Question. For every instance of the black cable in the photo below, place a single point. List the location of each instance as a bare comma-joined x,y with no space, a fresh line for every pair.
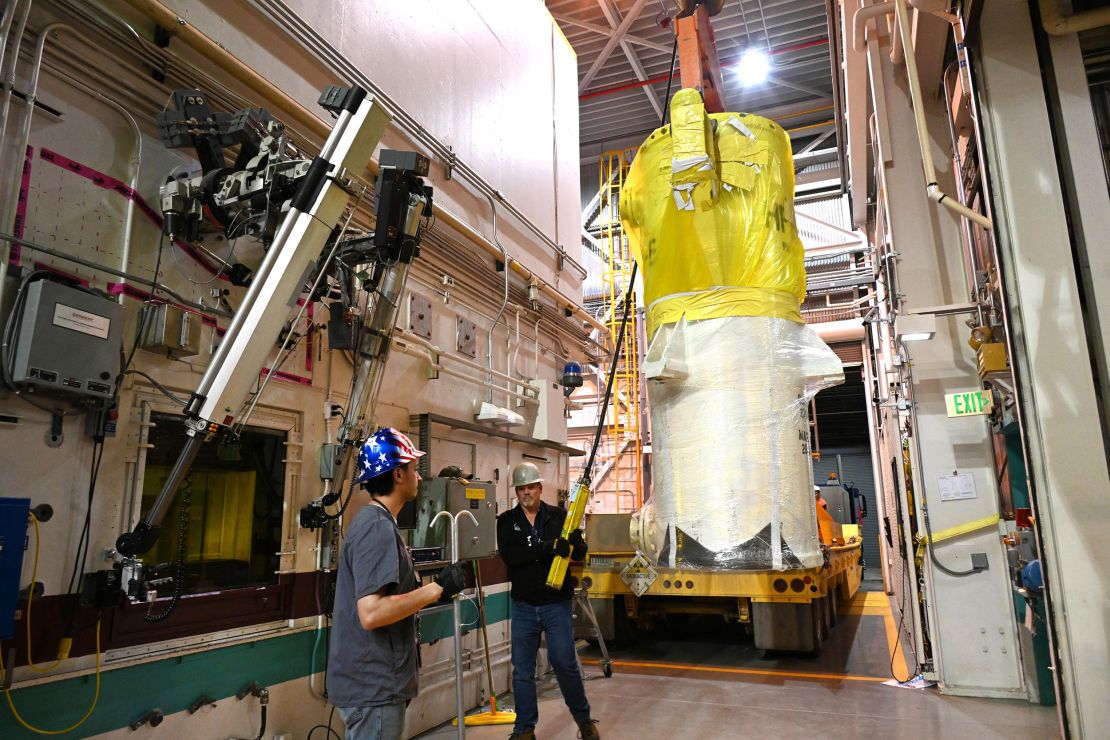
588,470
670,79
161,388
329,730
898,633
343,508
262,730
932,555
81,556
143,316
179,571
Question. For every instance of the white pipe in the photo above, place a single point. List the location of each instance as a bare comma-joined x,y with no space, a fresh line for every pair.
1057,24
536,350
402,345
408,336
137,157
312,126
8,75
860,19
848,330
932,188
8,68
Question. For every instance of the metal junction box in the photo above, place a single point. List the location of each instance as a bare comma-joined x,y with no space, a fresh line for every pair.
455,495
172,331
69,341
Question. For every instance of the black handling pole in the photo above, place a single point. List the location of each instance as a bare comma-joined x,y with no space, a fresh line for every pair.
588,471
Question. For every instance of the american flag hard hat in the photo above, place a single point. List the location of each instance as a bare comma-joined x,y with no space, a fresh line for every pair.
383,451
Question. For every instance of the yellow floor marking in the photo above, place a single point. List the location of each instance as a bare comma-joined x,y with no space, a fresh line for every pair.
741,671
865,612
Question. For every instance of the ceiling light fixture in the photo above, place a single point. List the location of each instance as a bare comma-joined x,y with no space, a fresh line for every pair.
753,67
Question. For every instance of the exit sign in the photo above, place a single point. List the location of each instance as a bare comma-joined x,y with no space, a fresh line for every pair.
968,403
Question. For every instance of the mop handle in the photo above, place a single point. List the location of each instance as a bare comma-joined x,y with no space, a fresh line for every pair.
485,635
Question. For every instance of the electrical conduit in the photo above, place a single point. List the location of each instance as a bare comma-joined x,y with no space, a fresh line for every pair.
293,112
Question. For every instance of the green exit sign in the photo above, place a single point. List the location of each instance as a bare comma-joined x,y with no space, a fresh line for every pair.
968,403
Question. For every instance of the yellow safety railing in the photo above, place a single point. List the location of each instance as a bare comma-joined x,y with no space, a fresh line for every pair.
623,439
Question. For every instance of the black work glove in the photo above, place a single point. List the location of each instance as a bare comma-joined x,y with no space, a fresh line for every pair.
578,547
557,547
452,579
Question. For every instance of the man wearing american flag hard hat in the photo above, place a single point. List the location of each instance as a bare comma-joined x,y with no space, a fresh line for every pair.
372,667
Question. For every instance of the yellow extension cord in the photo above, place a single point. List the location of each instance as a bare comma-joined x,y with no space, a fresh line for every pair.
30,598
7,689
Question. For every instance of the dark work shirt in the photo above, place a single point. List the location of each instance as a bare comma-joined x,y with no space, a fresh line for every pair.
520,545
379,666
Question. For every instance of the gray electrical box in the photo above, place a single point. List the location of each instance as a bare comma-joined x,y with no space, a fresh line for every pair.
171,331
68,341
454,495
840,507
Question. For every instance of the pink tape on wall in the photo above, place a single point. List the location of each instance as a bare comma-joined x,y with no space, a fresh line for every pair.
110,183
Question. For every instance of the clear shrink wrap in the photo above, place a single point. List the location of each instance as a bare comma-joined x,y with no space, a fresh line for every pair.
731,367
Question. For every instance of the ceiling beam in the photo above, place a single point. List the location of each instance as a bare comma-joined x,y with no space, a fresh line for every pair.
603,31
612,43
612,15
814,144
775,80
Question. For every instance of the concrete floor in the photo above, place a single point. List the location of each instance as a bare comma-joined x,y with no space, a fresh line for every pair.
701,679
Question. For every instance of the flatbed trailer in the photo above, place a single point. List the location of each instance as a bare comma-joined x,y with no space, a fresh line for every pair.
789,610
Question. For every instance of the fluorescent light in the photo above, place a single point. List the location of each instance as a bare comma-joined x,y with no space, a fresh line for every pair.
753,67
915,327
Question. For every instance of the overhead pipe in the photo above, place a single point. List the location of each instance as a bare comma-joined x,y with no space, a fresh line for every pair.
847,330
932,188
1057,24
25,136
153,283
416,346
860,19
7,69
292,111
504,302
7,72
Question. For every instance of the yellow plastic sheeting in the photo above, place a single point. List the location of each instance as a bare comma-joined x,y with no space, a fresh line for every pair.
723,302
221,515
708,207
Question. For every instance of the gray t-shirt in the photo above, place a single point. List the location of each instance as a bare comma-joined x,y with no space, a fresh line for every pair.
372,667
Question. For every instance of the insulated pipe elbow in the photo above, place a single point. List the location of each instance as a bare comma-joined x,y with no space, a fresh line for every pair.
939,197
1057,24
860,19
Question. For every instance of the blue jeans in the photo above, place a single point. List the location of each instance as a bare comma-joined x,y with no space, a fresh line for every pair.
528,623
383,722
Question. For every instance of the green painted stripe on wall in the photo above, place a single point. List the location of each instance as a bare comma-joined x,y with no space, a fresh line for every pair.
438,625
174,683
